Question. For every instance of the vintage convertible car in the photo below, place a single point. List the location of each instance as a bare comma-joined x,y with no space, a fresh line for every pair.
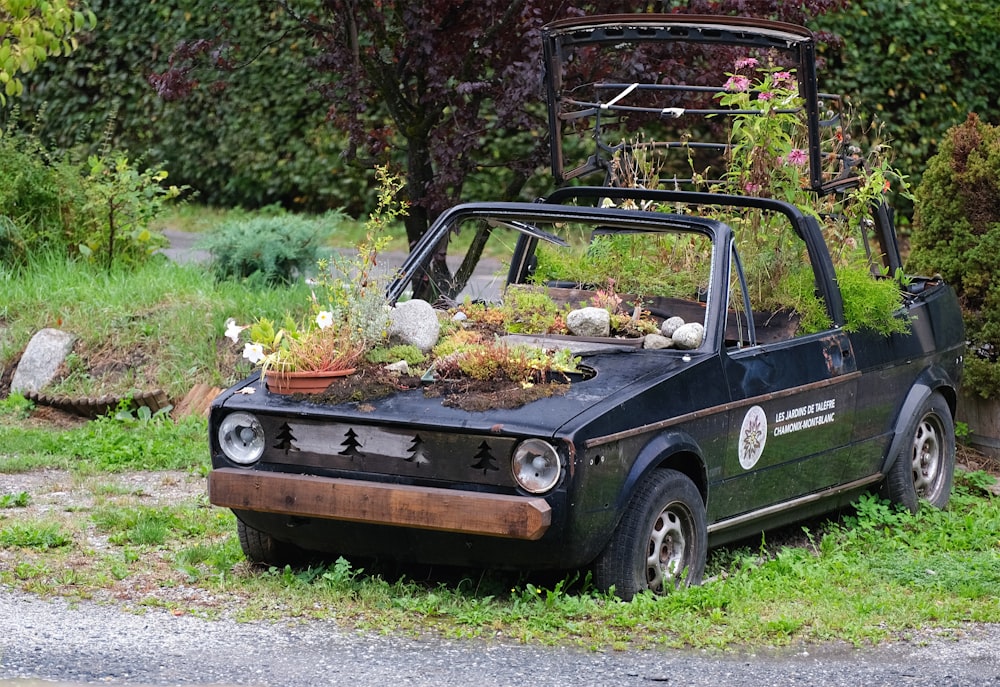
652,448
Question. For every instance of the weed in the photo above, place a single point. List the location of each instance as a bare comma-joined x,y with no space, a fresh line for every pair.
136,526
19,500
34,535
15,406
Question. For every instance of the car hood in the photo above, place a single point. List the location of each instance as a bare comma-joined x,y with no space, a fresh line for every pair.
620,374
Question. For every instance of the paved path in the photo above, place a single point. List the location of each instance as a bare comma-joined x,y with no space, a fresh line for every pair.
53,640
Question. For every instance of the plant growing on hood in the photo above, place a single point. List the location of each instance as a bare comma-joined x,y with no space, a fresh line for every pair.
350,313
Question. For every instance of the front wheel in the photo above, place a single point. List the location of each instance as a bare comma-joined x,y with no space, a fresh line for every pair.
661,541
263,549
925,467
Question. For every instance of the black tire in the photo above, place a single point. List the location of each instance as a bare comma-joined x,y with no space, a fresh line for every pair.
925,467
262,549
661,541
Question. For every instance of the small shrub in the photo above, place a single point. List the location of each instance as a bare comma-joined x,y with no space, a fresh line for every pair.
530,311
274,249
50,202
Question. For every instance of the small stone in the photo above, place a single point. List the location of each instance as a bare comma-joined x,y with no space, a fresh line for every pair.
670,325
657,341
400,367
589,322
459,317
689,336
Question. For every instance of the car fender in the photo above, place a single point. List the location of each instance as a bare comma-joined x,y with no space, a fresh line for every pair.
675,449
930,381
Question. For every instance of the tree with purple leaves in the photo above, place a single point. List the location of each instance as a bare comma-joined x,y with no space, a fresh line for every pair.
449,91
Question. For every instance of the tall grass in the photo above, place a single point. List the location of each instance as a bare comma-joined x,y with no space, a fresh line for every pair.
157,326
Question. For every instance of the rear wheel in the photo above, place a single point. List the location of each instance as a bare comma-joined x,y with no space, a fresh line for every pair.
661,541
925,466
261,548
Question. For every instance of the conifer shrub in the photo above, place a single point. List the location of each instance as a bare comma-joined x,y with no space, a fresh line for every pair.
276,248
957,235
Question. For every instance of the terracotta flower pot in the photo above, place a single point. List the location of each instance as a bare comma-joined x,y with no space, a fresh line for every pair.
302,382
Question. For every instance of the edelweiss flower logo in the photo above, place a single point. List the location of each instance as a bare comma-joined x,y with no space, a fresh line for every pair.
753,436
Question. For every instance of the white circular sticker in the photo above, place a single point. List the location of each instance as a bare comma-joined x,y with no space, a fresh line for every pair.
753,436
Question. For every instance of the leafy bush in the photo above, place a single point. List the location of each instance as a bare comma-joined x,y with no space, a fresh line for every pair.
957,235
100,209
273,248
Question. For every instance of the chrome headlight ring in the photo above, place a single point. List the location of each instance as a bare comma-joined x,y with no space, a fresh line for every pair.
241,438
536,466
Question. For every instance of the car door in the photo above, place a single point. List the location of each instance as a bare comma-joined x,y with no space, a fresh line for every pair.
791,411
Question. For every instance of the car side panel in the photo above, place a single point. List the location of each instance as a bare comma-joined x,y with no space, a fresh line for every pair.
891,366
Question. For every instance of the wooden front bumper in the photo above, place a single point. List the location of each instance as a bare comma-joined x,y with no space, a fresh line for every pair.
431,508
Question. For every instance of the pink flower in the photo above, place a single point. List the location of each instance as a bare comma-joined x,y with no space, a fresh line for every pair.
737,84
751,188
782,78
797,157
765,95
746,62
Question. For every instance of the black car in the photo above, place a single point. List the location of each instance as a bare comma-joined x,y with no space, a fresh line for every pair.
655,446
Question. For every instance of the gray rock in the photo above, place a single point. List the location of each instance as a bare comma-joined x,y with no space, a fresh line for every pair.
41,360
670,325
589,322
657,341
400,367
414,323
689,336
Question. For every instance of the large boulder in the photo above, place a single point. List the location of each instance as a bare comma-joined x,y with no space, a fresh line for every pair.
689,336
414,323
589,322
40,361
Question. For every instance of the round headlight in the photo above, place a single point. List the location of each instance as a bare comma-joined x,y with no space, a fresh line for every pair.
536,466
241,438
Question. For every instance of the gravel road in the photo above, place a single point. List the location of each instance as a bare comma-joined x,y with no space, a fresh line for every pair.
84,643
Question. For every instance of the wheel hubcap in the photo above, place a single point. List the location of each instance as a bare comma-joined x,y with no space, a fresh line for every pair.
666,553
926,461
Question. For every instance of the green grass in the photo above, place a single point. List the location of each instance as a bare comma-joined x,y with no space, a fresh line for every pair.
159,326
193,218
873,574
107,445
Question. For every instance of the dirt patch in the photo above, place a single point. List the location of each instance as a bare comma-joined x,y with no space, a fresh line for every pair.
64,491
371,383
971,460
479,396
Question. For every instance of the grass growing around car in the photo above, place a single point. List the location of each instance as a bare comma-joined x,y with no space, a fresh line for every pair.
115,510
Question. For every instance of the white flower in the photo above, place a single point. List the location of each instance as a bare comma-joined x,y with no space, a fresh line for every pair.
253,352
233,330
324,319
